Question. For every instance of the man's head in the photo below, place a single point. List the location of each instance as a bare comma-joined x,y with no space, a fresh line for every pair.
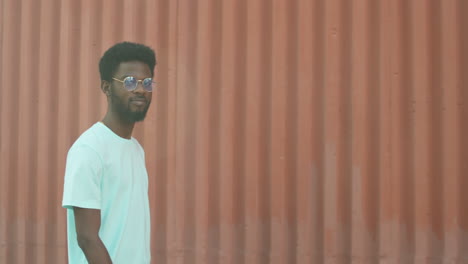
135,62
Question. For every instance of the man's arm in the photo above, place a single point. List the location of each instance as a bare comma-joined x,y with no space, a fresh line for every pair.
88,222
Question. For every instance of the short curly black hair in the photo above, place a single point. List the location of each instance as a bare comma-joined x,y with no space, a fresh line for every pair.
123,52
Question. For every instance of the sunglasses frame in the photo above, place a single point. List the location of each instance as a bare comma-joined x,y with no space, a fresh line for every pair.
138,81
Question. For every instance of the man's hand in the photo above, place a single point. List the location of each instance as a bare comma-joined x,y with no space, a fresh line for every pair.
87,223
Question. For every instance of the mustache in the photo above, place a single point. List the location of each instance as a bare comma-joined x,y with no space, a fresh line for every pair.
138,98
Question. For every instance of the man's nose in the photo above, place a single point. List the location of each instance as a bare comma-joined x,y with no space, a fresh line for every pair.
139,85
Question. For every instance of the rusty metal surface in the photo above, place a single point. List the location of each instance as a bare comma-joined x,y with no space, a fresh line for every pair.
282,131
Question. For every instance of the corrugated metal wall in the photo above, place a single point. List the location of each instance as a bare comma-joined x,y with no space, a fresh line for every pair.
283,131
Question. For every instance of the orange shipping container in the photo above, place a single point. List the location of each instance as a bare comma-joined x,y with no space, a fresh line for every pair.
282,131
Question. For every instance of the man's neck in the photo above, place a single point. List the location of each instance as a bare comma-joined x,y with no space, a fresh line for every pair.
119,126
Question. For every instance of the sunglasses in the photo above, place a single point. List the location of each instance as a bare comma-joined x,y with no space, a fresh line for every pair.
130,83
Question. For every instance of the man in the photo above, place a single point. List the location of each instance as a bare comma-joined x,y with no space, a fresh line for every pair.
106,183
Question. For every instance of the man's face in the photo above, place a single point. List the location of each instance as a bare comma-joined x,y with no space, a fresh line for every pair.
130,105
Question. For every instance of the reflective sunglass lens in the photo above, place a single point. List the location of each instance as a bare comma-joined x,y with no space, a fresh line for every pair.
130,83
148,84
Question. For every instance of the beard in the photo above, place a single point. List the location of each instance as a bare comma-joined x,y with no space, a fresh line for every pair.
124,110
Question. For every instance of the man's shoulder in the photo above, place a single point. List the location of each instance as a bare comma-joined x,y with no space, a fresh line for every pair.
91,139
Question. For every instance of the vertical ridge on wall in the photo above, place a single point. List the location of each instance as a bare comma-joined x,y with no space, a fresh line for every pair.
365,102
421,133
46,156
338,131
318,147
265,73
68,108
204,141
159,161
332,242
253,160
227,222
435,109
294,135
291,135
461,103
372,198
403,152
27,103
279,132
186,129
451,164
278,111
213,163
303,135
385,77
239,132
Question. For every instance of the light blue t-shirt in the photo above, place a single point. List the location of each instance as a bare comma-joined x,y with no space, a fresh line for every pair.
107,172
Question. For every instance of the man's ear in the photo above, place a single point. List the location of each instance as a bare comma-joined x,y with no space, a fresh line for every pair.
106,87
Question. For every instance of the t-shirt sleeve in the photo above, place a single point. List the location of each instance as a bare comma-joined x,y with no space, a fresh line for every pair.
83,174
